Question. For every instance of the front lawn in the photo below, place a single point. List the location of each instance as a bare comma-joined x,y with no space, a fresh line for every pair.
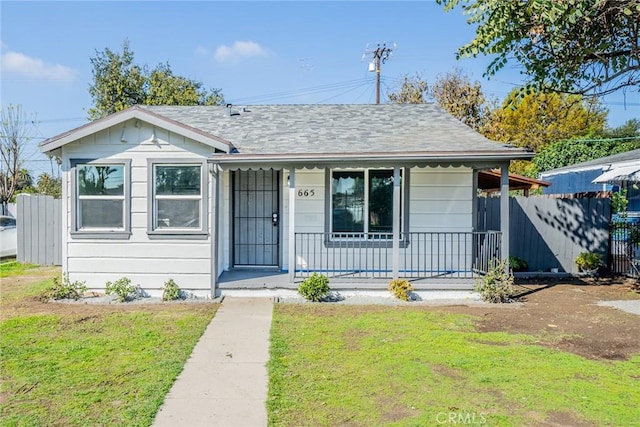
65,364
415,366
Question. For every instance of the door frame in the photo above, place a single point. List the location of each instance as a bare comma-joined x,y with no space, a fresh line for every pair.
280,233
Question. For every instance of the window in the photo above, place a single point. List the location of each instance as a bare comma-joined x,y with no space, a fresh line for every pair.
362,202
178,199
101,202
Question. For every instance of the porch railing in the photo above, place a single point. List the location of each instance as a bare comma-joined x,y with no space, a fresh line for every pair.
446,255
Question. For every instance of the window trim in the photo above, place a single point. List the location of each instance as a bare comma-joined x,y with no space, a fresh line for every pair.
330,242
177,233
96,232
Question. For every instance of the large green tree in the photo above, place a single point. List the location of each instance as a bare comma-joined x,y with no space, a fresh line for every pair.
538,119
569,152
119,83
587,47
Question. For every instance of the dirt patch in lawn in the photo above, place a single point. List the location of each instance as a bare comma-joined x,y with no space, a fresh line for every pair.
566,315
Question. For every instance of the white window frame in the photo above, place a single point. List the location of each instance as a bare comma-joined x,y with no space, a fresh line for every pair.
153,198
80,231
403,207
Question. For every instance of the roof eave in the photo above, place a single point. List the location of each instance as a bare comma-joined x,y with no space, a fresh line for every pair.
339,159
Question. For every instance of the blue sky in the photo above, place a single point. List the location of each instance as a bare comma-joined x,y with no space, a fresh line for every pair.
256,52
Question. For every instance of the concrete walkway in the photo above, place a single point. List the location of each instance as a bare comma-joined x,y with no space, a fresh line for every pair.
224,382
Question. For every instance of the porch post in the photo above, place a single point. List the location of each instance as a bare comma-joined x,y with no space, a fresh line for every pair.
215,206
474,201
292,224
396,222
504,213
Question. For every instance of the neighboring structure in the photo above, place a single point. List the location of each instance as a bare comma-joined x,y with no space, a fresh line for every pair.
604,174
153,193
489,182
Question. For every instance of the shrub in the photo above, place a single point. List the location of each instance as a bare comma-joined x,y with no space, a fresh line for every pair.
518,264
497,285
400,289
171,291
122,288
588,261
63,289
314,288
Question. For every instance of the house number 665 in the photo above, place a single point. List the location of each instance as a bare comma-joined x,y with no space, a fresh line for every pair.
306,193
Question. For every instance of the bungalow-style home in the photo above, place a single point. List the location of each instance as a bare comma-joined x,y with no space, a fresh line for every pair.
350,191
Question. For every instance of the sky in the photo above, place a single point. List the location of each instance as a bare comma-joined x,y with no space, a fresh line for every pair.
267,52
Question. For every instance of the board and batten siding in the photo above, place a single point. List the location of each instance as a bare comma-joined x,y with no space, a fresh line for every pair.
147,262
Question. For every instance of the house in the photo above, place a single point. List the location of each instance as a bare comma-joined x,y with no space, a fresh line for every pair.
352,191
604,174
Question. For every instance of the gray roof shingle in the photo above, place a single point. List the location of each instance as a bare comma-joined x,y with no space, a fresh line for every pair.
335,129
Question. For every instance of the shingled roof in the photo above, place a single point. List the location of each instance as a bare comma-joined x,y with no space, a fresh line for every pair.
334,129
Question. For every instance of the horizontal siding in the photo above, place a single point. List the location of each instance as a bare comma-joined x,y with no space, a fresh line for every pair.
148,262
125,266
107,250
148,281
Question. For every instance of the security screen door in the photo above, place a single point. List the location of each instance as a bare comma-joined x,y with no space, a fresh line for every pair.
256,218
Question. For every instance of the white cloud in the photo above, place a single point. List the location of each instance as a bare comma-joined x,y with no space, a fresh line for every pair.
34,68
239,50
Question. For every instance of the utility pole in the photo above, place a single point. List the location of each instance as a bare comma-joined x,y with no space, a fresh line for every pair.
379,56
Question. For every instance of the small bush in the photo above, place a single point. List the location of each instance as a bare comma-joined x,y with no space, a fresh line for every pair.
518,264
314,288
400,289
170,291
497,285
65,289
122,288
588,261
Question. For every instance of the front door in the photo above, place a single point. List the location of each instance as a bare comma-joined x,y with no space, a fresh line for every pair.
256,218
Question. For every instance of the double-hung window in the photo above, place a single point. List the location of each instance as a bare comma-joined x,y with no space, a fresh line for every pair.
101,198
362,203
178,197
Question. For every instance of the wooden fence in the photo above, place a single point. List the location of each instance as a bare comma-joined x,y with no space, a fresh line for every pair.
549,232
39,220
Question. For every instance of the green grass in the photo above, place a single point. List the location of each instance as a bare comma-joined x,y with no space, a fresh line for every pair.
336,365
108,366
14,268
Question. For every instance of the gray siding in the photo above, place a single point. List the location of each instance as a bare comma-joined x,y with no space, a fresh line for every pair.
39,221
550,233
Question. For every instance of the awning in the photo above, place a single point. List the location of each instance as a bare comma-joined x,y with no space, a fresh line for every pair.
620,173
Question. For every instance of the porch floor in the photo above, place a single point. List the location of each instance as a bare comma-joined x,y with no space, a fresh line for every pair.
272,279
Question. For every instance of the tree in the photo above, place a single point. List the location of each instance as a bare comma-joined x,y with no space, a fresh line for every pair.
119,83
16,128
538,119
413,90
569,152
454,92
582,47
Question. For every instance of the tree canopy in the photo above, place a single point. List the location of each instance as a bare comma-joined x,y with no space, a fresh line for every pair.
452,91
569,152
538,119
119,83
587,47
